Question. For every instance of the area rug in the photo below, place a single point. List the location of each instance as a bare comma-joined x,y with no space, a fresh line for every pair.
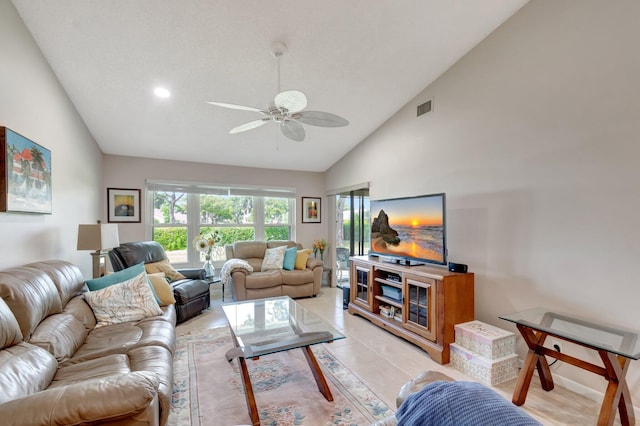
208,390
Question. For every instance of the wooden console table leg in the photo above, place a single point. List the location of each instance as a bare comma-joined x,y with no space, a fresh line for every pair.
323,387
617,393
524,379
534,359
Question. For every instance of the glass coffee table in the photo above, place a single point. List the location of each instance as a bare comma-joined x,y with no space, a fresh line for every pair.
265,326
616,348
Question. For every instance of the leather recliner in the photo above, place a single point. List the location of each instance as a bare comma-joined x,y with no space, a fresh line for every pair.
261,284
192,293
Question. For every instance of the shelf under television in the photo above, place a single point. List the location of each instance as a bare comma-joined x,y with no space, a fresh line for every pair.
392,302
388,282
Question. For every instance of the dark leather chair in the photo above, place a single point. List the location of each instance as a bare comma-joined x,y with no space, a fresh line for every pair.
191,294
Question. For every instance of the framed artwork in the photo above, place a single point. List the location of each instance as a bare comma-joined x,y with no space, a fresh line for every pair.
25,174
311,210
123,205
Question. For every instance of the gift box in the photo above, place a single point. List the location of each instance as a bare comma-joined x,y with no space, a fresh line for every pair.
484,339
488,371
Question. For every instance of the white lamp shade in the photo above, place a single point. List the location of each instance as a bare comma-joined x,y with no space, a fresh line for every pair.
98,237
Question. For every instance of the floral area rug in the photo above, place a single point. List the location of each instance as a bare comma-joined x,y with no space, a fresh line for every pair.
208,390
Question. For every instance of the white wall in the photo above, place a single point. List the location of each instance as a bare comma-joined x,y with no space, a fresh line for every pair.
132,172
33,103
534,138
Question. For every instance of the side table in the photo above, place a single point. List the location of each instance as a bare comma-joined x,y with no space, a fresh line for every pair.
326,276
616,348
214,280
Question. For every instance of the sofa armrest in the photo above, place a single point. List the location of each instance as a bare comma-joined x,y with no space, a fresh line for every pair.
115,397
313,263
193,273
239,283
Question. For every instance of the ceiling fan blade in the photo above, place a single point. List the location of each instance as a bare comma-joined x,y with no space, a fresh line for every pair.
250,125
293,130
240,107
321,119
291,100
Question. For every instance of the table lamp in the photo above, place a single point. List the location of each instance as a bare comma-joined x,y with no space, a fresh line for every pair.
101,238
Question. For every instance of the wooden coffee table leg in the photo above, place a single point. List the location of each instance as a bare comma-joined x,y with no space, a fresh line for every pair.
248,392
323,387
236,352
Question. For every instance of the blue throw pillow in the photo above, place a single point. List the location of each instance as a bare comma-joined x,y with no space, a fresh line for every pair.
289,262
119,277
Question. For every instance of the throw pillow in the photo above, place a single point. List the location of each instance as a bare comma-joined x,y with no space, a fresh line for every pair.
115,278
162,288
273,258
131,300
289,261
164,266
301,258
118,277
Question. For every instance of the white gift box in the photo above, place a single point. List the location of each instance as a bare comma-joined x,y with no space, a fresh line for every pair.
484,339
487,371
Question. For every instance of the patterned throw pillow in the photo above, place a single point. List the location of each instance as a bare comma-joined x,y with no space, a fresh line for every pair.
273,258
131,300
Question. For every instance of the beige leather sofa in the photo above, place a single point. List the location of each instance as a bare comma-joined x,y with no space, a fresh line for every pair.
260,284
57,368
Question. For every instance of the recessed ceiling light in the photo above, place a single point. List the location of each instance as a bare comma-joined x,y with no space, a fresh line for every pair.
161,92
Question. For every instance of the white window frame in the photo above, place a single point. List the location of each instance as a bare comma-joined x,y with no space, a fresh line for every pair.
193,225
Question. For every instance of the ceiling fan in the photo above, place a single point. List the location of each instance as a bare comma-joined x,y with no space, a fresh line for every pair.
287,110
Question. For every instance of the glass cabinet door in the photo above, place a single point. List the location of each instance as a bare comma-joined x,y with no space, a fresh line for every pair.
360,287
420,307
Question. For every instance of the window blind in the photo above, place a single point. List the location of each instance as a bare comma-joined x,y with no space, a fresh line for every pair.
214,189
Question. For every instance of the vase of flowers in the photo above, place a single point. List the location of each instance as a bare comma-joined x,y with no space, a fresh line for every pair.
319,246
205,243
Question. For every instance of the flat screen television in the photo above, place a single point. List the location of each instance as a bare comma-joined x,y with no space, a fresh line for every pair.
409,230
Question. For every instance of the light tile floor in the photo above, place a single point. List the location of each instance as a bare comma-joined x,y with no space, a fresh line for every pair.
385,362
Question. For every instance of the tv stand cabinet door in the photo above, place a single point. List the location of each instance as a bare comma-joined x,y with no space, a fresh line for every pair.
420,306
361,287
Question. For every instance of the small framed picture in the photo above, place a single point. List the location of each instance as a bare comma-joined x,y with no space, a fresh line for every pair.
311,210
123,205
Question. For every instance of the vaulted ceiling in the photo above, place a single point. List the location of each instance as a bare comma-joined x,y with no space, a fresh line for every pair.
360,59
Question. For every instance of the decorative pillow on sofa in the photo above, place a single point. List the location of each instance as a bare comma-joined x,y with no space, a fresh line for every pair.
162,288
131,300
118,277
115,278
301,258
289,261
164,266
273,258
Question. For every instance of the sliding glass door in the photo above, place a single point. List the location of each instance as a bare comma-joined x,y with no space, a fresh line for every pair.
353,230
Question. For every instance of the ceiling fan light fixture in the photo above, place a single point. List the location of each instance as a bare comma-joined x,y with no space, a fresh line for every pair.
287,109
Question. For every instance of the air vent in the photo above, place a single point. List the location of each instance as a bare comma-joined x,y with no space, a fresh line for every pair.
424,108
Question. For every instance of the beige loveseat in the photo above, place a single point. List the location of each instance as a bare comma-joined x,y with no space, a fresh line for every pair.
57,368
260,284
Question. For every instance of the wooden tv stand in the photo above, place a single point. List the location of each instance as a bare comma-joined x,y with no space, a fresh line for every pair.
430,301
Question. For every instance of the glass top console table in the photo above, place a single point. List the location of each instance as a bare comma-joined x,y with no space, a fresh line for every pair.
265,326
616,348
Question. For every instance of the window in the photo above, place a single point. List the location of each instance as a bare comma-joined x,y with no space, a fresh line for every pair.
183,211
